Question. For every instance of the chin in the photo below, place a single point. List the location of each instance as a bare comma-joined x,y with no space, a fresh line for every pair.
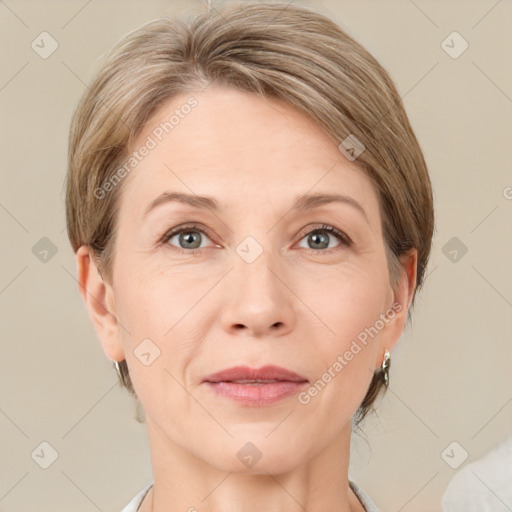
255,455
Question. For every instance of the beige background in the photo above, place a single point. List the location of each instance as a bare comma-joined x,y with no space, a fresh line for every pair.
451,378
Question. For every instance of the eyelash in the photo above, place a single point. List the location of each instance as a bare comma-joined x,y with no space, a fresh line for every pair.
344,239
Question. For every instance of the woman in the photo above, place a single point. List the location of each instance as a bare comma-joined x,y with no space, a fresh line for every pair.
252,217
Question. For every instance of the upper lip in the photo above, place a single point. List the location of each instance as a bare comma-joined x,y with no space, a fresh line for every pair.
269,372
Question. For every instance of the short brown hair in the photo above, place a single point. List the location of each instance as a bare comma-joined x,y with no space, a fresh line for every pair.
279,51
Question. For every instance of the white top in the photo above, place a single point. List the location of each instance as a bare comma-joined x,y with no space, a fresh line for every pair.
365,500
483,484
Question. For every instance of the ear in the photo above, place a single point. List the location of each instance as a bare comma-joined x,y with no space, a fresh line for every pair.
100,303
398,306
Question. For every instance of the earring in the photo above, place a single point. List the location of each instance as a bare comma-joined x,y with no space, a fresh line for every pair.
386,363
118,370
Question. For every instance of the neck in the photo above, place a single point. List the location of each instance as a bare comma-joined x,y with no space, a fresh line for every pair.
184,481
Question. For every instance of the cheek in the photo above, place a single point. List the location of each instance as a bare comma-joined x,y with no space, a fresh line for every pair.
350,306
344,358
154,314
348,302
164,316
153,301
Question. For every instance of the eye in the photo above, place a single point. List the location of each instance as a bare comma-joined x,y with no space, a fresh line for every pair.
320,236
189,237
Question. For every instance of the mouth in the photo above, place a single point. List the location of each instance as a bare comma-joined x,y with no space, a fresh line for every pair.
256,387
247,375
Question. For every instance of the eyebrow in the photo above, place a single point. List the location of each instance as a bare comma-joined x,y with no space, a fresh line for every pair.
302,203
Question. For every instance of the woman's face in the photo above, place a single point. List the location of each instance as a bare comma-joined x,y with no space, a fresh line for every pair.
246,284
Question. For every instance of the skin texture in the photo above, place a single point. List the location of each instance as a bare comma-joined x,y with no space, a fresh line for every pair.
298,305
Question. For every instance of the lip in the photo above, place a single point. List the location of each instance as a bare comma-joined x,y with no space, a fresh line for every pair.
286,383
268,372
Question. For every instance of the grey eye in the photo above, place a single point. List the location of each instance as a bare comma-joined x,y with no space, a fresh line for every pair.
187,238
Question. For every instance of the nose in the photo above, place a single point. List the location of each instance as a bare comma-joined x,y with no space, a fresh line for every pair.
259,302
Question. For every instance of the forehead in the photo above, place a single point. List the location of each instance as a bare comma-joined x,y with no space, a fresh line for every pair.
240,148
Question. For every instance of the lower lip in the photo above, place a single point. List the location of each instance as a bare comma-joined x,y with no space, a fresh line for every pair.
257,394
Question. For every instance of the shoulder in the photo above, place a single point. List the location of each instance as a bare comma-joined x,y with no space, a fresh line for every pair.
137,500
368,504
482,483
365,500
